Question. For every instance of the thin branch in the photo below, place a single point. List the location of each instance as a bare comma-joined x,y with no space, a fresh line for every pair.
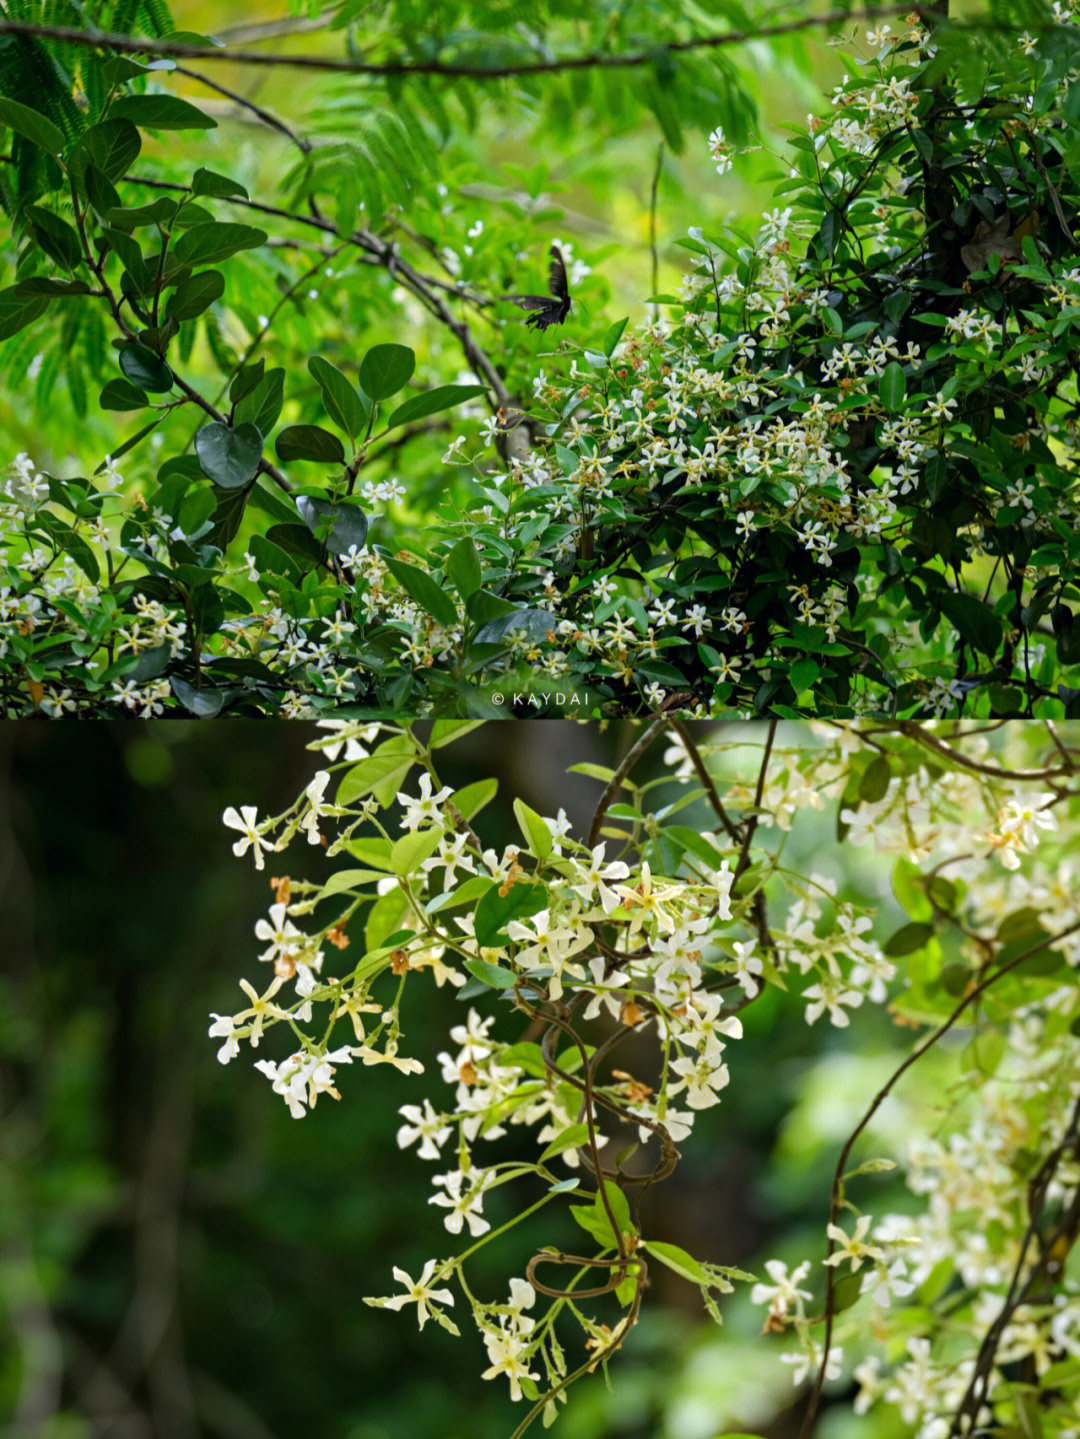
387,256
879,1099
594,60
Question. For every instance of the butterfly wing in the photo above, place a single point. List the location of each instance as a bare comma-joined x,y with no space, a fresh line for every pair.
550,309
557,277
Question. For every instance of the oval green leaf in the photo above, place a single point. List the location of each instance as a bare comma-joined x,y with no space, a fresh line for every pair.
146,369
309,442
229,457
385,370
160,112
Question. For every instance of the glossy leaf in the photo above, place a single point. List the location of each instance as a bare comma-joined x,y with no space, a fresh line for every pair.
385,370
229,457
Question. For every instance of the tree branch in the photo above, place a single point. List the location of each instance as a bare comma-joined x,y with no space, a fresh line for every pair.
594,60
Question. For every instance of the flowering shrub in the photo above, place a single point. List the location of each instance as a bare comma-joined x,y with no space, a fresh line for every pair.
556,948
844,478
841,481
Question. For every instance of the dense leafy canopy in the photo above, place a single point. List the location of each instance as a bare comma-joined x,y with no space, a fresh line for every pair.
836,480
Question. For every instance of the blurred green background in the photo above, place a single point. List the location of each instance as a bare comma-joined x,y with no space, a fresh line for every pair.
179,1257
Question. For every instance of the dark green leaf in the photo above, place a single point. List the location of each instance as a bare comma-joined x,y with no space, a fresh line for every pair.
195,294
343,404
101,192
121,394
296,540
907,939
246,379
146,369
17,310
443,397
51,285
229,457
113,146
975,621
32,125
208,242
208,182
55,236
385,370
495,911
262,407
463,567
875,780
348,524
892,387
160,112
204,704
427,594
161,211
309,442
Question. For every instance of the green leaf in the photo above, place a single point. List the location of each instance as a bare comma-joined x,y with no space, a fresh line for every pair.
388,765
427,594
112,145
247,378
385,370
446,731
121,394
262,406
208,182
594,1220
195,294
228,457
343,403
160,112
101,192
490,974
348,523
613,336
145,368
463,566
907,939
51,285
410,850
210,241
677,1259
297,540
203,704
875,781
973,620
309,442
32,126
161,211
803,673
495,911
571,1138
55,236
430,402
473,797
892,387
17,310
537,835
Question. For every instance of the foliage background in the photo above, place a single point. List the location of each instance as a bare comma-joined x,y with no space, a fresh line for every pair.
178,1256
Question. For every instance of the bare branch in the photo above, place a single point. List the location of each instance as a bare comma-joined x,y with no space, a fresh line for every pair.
594,60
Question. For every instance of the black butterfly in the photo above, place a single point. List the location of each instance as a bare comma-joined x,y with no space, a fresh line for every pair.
551,311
